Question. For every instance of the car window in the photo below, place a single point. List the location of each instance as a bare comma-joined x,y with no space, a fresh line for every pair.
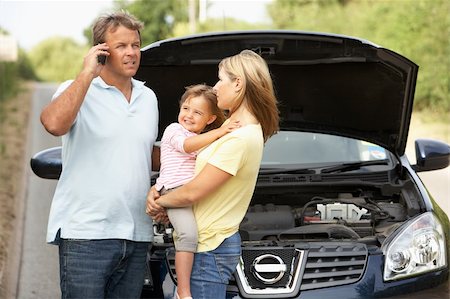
290,147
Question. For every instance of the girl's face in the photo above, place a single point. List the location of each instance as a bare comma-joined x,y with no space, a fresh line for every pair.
226,91
195,114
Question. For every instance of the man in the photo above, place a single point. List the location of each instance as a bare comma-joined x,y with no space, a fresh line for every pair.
108,123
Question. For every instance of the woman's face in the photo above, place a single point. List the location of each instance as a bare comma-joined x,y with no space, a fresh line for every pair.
226,91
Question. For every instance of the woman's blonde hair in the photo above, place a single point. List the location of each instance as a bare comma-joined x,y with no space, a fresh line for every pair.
257,91
208,93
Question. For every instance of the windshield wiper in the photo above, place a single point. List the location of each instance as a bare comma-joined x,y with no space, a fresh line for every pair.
353,166
286,171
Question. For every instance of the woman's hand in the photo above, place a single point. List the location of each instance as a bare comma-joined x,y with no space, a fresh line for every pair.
154,210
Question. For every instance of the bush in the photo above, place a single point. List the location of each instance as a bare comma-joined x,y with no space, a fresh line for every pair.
9,84
416,29
57,59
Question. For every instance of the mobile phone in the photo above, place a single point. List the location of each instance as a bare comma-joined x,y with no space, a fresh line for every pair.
101,59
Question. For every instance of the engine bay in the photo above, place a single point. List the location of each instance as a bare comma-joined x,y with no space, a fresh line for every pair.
364,213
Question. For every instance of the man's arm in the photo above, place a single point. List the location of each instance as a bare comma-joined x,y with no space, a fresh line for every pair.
58,116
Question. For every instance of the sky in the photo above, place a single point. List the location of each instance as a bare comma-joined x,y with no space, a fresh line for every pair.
32,21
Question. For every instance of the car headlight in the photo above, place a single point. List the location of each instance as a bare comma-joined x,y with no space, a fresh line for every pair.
417,248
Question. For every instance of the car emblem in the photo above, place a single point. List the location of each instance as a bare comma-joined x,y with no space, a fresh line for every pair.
268,268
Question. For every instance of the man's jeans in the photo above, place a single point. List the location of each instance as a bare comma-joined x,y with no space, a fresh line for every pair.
213,269
102,268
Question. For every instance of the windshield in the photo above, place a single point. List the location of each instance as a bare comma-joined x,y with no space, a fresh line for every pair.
303,148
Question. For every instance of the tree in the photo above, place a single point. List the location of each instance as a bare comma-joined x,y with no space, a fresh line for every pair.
417,29
57,59
25,68
8,82
159,17
12,72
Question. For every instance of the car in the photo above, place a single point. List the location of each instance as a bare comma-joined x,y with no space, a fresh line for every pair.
338,210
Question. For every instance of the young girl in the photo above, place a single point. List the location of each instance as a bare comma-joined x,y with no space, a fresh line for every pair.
179,145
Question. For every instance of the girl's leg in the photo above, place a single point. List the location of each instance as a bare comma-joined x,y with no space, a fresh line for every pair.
183,221
183,268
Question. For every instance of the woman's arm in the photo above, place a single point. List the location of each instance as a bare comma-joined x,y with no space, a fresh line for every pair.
206,182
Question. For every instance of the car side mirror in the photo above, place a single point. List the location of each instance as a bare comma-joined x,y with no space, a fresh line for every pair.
47,163
431,155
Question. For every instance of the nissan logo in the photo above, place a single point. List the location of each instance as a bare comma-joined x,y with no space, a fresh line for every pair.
268,268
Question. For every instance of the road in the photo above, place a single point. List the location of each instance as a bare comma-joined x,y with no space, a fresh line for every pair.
39,277
39,270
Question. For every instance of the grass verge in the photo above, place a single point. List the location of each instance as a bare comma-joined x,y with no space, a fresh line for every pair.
13,142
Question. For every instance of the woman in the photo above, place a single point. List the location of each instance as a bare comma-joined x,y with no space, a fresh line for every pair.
226,172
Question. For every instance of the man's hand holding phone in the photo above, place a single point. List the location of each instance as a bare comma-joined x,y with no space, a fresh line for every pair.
94,58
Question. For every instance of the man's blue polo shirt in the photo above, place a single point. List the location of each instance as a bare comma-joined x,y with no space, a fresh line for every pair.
106,161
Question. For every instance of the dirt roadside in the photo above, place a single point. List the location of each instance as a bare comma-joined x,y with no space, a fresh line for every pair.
13,146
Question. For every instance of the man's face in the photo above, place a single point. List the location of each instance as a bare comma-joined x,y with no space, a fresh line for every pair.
124,48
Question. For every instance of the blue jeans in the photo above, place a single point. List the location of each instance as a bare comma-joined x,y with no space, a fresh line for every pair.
213,269
102,268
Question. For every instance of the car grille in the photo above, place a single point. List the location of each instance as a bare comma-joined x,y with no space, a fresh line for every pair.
333,264
310,265
249,256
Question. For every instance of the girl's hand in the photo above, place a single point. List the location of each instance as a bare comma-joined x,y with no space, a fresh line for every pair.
231,126
153,209
162,217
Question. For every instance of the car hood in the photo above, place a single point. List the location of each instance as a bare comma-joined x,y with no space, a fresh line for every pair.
324,83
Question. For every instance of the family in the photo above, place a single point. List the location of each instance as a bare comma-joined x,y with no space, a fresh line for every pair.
103,208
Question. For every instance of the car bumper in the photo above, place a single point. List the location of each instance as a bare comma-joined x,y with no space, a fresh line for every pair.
432,285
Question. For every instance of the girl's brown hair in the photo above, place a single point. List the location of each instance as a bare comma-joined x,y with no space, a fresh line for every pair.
257,92
208,93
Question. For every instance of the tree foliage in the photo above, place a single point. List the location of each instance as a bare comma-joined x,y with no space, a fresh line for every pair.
25,67
159,17
417,29
13,72
57,59
9,76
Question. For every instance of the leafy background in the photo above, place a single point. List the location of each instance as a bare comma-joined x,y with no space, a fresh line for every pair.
417,29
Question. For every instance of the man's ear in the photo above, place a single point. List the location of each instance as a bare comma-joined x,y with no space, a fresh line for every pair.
211,119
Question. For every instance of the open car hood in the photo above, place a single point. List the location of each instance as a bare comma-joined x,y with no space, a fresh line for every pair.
324,83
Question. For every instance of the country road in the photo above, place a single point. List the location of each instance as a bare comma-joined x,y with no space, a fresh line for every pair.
39,277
